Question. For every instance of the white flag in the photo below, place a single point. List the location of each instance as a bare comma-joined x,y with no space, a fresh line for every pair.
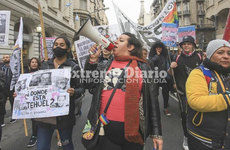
15,60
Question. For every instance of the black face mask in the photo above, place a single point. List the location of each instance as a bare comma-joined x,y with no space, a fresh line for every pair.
59,52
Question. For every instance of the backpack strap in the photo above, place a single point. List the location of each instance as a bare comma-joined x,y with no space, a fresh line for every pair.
207,73
199,56
177,58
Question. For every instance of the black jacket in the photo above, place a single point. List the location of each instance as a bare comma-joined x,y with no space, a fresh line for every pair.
66,121
185,65
152,121
2,87
8,76
159,61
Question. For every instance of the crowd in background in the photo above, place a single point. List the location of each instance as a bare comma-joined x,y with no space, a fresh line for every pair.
199,79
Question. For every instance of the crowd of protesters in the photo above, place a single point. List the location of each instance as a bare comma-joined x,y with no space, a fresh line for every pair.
132,110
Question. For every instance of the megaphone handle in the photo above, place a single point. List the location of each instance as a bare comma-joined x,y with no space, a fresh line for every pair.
93,52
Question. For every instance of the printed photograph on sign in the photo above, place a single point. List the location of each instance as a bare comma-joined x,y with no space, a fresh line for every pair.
82,49
49,46
2,23
111,32
61,83
21,85
4,27
42,94
41,79
60,102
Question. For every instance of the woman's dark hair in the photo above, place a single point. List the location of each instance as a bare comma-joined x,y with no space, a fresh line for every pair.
69,54
38,61
132,40
153,52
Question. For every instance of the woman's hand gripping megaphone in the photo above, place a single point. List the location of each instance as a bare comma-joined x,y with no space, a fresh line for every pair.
95,52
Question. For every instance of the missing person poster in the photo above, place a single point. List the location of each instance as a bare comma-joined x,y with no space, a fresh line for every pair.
82,48
49,45
4,27
42,94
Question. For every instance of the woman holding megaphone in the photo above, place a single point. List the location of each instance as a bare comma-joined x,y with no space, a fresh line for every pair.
125,101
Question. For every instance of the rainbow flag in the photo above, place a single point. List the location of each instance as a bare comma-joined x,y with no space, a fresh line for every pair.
16,47
172,17
103,119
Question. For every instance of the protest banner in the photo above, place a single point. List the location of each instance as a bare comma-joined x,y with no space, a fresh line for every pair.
82,48
169,34
42,94
4,27
146,34
185,31
49,46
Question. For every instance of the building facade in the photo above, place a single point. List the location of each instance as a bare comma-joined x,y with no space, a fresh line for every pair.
208,16
217,11
59,19
192,12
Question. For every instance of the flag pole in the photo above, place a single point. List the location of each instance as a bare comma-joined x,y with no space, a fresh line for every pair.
43,31
22,72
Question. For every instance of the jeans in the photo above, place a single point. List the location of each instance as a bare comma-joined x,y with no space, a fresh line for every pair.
9,94
165,93
44,136
34,128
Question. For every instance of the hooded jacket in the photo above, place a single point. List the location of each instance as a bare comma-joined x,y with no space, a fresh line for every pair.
159,61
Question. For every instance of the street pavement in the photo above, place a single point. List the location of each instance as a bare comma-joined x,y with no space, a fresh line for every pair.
13,137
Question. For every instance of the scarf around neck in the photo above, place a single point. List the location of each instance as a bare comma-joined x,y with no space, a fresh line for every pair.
214,66
132,95
33,70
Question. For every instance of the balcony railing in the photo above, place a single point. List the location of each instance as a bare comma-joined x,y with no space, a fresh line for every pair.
201,12
200,0
186,12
